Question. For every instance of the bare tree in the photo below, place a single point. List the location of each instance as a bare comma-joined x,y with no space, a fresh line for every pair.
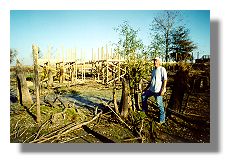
162,27
13,55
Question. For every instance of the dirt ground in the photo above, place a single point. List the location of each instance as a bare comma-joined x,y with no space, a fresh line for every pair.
64,121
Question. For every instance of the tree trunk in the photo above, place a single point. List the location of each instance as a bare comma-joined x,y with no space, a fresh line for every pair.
24,95
125,100
167,47
179,89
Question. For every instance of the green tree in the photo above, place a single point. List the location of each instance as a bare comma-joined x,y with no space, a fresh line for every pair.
182,46
131,48
129,44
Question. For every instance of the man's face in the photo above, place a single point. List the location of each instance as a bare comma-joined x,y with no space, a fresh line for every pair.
156,63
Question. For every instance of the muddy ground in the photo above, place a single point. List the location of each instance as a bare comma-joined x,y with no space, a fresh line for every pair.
66,110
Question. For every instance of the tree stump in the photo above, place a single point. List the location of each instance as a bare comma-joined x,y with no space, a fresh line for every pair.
23,91
125,99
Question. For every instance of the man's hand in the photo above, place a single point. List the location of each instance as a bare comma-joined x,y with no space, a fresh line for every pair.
163,91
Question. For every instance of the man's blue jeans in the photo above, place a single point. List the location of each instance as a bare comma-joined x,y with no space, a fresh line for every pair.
159,103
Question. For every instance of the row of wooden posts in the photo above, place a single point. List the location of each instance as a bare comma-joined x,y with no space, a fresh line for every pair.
101,67
114,68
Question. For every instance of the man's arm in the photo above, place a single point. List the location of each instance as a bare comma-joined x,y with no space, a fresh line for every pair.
163,90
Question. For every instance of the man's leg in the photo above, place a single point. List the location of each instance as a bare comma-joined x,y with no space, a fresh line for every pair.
159,101
145,97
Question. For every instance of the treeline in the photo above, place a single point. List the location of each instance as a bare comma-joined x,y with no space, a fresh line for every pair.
169,39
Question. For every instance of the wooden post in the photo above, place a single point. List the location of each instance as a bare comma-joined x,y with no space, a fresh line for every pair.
92,63
84,70
107,52
35,56
98,70
107,72
119,73
111,53
103,71
50,78
102,53
76,69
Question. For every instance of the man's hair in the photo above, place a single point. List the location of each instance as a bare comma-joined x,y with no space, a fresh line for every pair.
157,58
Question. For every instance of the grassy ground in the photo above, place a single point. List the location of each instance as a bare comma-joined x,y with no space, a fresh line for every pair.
85,100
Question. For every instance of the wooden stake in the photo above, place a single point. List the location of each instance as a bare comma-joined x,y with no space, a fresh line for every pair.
107,73
102,53
103,73
35,56
119,73
111,53
84,71
107,52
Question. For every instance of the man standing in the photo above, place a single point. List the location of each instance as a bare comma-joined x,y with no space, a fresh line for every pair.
156,88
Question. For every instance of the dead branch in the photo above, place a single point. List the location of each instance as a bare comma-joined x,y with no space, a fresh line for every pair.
52,133
141,129
32,106
40,129
131,139
117,115
28,138
47,138
23,132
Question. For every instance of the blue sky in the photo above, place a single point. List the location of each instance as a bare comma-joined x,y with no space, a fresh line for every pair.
92,29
